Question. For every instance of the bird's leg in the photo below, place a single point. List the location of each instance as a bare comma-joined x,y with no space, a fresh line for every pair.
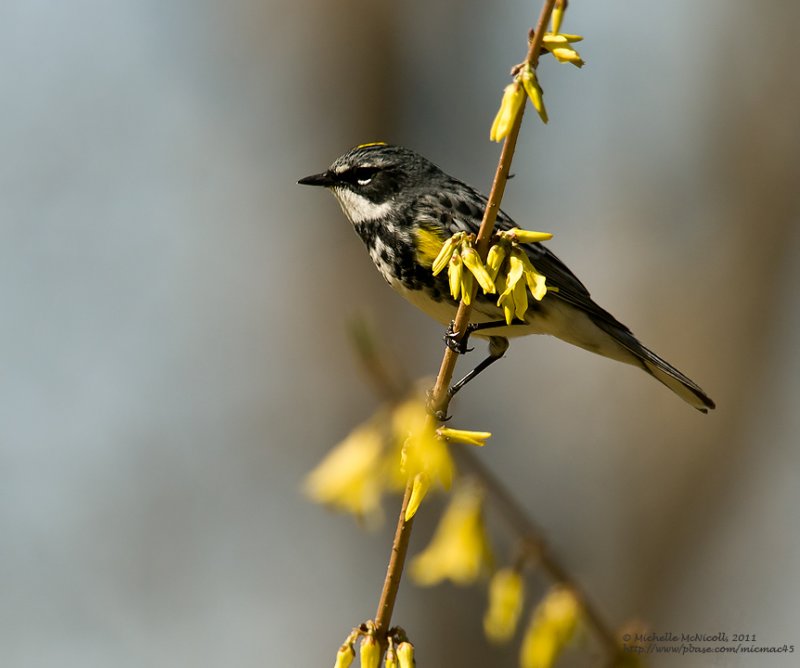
497,348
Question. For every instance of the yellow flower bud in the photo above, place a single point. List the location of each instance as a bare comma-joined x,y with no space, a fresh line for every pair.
529,236
370,652
405,655
566,54
557,16
390,660
345,656
553,38
513,97
494,260
477,438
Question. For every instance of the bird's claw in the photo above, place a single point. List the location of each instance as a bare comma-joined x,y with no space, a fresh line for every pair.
452,341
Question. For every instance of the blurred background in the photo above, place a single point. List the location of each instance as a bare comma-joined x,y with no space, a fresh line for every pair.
174,356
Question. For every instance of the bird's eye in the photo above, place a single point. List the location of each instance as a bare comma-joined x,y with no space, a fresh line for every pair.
361,176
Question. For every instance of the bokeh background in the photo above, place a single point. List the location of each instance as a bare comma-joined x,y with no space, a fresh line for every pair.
174,355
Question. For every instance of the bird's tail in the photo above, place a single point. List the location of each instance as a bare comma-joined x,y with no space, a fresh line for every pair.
660,369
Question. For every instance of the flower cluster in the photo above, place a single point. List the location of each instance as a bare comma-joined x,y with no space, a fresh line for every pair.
526,83
399,444
399,651
507,272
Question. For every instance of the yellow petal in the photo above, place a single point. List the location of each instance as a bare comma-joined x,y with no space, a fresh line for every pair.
466,287
473,262
529,236
464,436
515,271
454,272
448,247
536,281
520,300
422,483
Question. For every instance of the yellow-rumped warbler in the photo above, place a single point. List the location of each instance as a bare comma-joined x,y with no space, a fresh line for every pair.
404,207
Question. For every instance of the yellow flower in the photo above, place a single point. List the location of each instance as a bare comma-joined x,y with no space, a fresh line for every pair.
552,626
370,652
390,660
531,85
505,605
459,550
425,457
513,97
350,477
513,300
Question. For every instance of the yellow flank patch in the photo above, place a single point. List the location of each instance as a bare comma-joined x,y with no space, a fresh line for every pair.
372,143
427,243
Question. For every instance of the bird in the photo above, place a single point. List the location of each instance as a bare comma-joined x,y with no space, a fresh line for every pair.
404,207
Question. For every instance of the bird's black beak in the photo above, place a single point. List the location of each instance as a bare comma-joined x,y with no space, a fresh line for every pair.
325,179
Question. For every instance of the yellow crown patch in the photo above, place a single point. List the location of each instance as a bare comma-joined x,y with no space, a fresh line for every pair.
372,143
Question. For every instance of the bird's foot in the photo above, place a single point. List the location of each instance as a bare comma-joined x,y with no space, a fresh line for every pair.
452,341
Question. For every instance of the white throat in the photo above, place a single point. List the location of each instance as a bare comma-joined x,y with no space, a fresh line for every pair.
358,208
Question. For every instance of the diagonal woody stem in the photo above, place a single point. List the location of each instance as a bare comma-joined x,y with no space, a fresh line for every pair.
439,397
